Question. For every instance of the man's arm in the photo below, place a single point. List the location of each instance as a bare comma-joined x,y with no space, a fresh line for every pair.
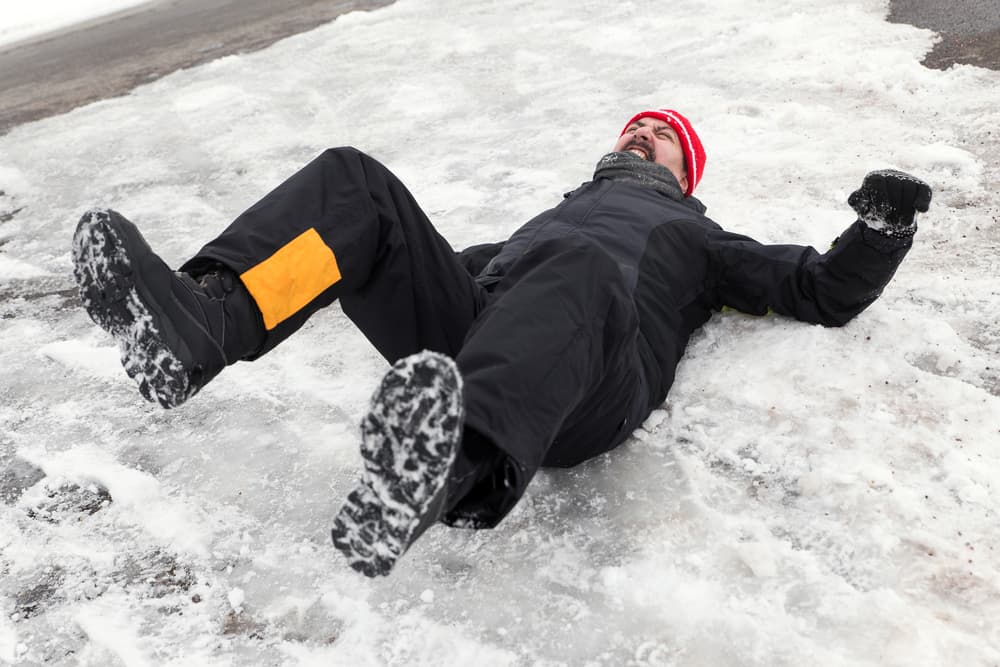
833,287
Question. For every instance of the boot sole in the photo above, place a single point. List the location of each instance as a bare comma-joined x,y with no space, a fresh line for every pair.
409,441
103,252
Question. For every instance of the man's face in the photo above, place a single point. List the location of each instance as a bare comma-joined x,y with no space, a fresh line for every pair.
654,140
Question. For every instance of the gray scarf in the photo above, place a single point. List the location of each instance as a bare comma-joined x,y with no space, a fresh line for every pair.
631,168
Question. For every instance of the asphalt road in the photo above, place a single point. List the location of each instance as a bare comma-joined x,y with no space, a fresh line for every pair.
969,29
112,55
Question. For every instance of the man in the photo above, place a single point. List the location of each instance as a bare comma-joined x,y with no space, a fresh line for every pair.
546,349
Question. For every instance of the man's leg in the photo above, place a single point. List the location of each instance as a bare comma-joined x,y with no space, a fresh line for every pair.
343,226
551,375
353,228
551,370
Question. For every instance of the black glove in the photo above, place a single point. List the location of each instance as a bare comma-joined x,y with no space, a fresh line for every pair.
888,201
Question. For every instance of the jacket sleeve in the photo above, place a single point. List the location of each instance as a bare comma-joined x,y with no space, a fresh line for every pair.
797,281
475,258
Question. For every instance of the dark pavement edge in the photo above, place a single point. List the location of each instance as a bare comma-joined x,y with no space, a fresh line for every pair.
110,56
969,30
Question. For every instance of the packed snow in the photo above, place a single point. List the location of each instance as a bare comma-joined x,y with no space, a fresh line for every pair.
21,20
805,496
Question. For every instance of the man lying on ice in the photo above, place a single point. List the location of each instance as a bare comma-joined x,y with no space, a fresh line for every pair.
544,350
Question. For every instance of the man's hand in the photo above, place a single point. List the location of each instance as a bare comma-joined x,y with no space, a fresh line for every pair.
888,200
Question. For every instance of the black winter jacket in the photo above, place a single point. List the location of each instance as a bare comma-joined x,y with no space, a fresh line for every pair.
680,266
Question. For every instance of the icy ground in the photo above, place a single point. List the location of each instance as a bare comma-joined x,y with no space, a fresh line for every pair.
806,496
21,19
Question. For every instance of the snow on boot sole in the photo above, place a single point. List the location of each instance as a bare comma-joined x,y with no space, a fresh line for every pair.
409,441
105,246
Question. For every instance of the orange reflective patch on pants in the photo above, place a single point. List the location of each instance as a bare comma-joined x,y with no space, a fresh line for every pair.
293,276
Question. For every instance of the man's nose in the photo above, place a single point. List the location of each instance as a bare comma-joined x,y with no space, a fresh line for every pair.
644,132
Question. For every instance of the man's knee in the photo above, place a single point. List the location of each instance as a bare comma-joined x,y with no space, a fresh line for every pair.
342,155
344,160
348,155
342,152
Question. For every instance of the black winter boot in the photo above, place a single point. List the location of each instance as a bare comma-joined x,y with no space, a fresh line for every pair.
174,332
409,441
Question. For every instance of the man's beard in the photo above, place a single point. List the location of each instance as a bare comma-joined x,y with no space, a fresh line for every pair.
644,147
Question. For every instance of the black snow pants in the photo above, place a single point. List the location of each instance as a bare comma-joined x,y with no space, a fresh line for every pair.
549,356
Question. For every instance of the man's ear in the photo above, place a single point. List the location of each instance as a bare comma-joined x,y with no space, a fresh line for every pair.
683,181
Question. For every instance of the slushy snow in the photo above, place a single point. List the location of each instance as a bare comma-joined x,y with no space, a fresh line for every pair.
805,495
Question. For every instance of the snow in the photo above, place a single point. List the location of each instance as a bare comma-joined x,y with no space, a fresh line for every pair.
806,495
25,20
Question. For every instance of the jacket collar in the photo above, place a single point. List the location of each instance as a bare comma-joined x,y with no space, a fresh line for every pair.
629,168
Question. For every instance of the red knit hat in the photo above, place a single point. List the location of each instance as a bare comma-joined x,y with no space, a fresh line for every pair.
694,152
